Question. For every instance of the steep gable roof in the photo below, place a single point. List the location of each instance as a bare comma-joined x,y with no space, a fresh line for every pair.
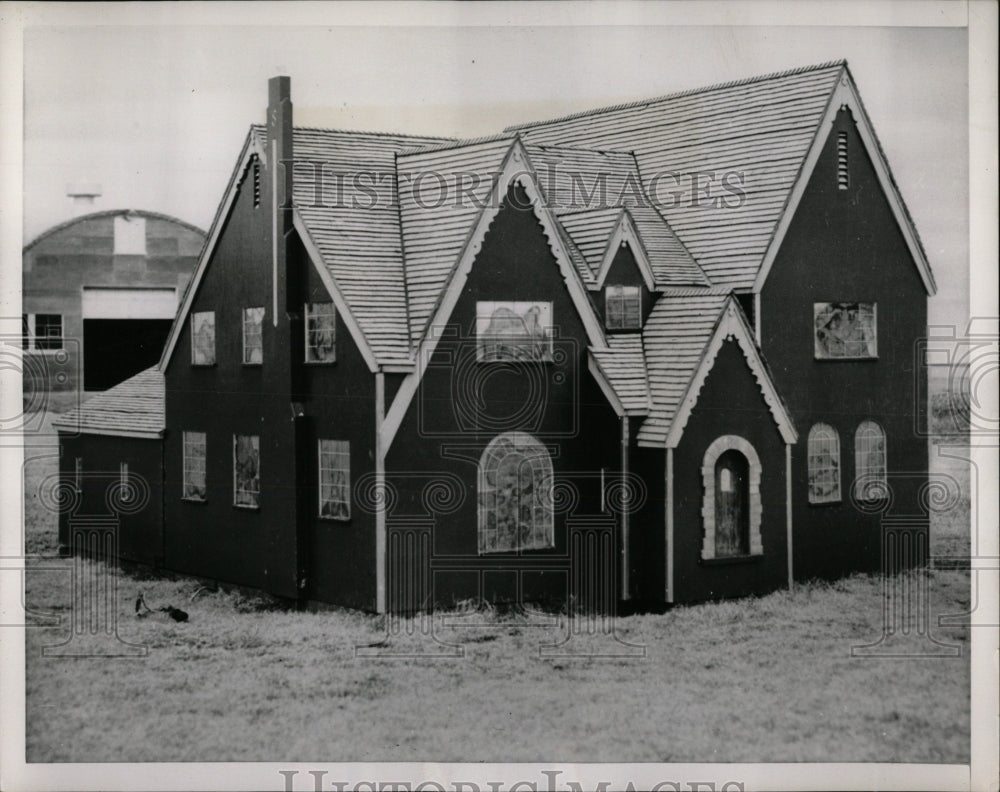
753,136
345,194
620,370
133,408
681,338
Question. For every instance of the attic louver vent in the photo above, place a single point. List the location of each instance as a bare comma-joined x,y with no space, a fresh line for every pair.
256,182
843,180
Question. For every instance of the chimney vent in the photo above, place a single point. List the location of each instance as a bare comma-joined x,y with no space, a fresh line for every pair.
83,195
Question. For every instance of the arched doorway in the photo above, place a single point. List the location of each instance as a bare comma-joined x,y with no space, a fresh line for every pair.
731,509
732,496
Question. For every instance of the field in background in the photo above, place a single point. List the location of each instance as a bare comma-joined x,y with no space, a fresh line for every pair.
760,679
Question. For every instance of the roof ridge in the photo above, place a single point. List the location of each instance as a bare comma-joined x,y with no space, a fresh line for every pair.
104,213
455,143
678,94
366,132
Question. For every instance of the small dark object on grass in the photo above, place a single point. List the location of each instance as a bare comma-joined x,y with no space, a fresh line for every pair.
142,609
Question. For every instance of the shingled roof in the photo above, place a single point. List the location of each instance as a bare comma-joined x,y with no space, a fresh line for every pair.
133,408
758,130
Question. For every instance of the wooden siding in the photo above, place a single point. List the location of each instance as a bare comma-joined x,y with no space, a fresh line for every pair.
730,403
846,245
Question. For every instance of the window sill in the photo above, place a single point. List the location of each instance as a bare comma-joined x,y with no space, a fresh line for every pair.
821,504
326,518
246,508
194,500
320,362
727,560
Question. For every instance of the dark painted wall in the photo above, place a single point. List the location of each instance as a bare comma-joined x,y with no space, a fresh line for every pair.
461,405
139,515
339,400
648,524
730,403
215,539
846,245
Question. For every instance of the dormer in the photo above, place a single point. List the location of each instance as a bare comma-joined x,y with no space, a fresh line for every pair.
625,287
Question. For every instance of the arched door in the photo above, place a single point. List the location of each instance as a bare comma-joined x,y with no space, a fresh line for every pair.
732,512
515,498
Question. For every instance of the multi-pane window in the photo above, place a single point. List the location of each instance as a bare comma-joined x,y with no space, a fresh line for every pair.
194,466
513,331
335,479
845,330
41,332
321,333
203,338
870,481
246,471
824,464
515,495
623,308
253,345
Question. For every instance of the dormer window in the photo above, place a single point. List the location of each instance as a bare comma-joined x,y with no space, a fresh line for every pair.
623,308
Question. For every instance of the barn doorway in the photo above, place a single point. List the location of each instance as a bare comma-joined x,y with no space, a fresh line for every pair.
124,331
732,496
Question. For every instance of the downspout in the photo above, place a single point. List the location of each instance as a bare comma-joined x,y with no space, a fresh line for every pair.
380,499
788,512
670,524
626,503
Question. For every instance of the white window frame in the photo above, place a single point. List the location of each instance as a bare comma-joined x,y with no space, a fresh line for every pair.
236,489
871,481
30,338
313,311
538,457
823,440
485,314
194,345
622,297
334,456
188,440
820,354
253,335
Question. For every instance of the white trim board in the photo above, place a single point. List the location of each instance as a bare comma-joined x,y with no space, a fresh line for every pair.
250,148
626,233
846,95
516,168
731,324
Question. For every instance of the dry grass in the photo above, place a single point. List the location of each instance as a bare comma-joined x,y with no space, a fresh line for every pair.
764,679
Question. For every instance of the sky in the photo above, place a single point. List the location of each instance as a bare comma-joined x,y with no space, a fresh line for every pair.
156,113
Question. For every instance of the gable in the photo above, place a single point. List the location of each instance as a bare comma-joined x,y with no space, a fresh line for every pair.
846,102
516,169
681,339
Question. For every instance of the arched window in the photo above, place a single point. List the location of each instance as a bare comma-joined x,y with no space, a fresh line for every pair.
515,495
870,481
824,464
731,507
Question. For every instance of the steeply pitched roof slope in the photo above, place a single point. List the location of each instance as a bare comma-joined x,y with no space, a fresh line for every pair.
754,132
350,210
134,407
624,367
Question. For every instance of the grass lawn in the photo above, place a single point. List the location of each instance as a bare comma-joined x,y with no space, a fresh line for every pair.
764,679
